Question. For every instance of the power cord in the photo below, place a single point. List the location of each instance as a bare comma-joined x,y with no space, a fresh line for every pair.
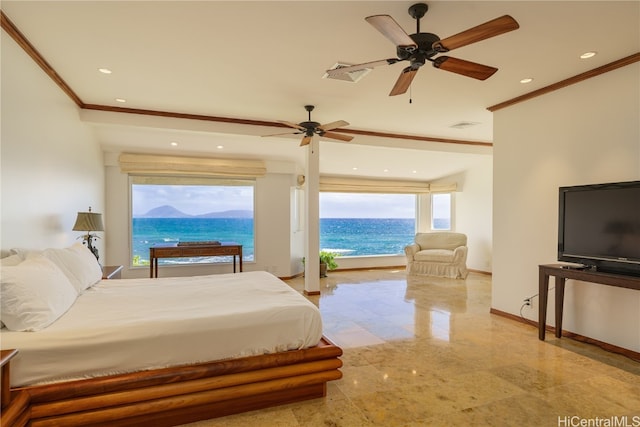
527,303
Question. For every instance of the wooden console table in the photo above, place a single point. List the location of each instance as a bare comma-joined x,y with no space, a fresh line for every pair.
561,275
192,250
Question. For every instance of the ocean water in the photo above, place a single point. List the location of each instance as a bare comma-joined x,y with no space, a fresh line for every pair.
345,236
157,231
366,236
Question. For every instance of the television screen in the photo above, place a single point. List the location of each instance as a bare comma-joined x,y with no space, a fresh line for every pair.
599,226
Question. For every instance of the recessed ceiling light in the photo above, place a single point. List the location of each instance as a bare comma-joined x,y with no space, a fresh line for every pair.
174,144
220,147
121,100
105,70
414,171
355,169
386,170
526,80
588,55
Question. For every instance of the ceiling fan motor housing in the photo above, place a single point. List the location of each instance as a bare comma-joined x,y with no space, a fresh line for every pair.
425,43
310,127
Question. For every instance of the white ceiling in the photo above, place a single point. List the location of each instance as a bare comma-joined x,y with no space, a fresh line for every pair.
265,60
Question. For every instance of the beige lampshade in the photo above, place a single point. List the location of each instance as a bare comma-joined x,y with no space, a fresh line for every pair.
88,221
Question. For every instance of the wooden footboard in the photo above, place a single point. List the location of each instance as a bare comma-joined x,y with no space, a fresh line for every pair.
170,396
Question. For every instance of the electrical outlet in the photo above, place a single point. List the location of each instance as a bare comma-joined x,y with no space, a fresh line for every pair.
527,302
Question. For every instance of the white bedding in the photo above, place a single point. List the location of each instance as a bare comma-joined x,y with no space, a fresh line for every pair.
130,325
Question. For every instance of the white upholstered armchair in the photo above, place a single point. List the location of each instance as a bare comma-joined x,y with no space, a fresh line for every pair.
441,254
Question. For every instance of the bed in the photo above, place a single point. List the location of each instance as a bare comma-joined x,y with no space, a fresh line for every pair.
155,351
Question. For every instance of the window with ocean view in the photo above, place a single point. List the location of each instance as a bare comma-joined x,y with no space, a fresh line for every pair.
171,210
359,224
441,211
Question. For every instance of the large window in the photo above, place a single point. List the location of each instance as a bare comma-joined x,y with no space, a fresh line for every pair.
441,211
168,210
357,224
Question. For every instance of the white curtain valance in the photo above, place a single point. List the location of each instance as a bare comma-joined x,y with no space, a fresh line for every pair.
334,184
151,164
189,180
443,187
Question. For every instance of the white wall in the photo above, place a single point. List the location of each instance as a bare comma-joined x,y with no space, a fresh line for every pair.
473,211
585,133
273,224
51,162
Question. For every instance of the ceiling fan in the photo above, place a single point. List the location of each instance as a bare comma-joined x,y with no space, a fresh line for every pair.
309,128
420,47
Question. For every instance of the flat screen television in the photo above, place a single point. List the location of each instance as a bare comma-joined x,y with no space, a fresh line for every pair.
599,227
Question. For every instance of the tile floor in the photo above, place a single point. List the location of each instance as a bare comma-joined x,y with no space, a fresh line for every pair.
426,352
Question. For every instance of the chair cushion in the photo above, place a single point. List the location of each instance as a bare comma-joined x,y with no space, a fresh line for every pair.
434,255
440,240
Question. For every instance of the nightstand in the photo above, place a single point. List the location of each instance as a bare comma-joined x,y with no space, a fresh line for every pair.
112,272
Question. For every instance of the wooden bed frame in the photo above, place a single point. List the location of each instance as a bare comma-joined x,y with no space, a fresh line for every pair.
172,396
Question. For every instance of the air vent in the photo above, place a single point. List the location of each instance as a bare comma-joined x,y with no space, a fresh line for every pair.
353,76
463,125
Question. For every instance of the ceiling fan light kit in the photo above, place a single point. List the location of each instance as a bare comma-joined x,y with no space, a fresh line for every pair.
420,48
353,76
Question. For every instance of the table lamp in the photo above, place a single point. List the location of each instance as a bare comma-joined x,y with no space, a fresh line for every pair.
89,221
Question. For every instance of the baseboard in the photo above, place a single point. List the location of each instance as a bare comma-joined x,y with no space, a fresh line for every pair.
572,335
291,277
488,273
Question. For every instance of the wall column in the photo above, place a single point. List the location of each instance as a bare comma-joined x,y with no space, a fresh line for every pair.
312,220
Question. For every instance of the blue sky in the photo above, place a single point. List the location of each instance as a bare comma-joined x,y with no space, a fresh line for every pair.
191,199
198,199
348,205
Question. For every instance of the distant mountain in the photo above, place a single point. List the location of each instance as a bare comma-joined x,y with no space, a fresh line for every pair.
168,211
165,211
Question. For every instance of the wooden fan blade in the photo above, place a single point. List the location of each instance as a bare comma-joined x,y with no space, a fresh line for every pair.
466,68
492,28
359,67
292,125
334,135
284,133
392,30
328,126
404,81
306,140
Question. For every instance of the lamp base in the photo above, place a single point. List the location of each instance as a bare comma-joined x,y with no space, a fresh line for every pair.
88,240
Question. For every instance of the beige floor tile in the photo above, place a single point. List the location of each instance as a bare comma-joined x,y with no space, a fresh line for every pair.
427,352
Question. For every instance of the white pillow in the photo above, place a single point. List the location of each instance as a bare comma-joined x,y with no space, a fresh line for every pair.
11,260
16,257
77,263
34,294
23,252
